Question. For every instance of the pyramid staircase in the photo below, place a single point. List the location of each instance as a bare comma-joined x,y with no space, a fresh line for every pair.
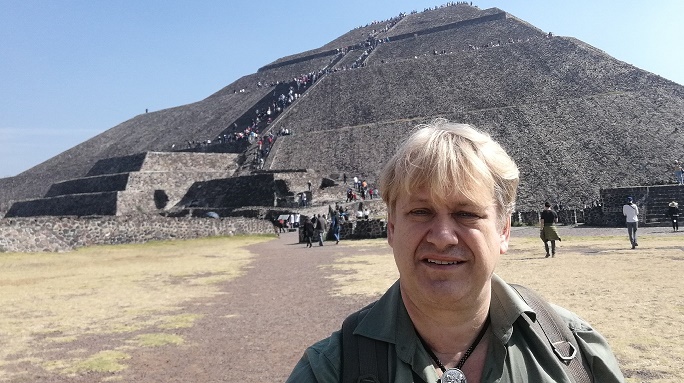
656,204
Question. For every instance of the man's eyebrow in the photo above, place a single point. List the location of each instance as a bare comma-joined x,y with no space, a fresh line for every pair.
459,205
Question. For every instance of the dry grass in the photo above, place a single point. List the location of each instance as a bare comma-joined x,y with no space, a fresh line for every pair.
49,300
635,298
52,301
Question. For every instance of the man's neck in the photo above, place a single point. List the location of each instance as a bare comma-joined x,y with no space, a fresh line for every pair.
449,330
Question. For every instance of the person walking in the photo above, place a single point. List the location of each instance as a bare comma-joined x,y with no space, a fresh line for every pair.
548,231
320,228
335,225
631,212
673,213
308,231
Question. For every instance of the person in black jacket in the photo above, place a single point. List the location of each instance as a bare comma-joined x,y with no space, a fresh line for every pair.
673,213
308,231
548,231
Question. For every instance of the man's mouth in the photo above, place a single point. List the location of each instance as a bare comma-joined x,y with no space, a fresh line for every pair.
438,262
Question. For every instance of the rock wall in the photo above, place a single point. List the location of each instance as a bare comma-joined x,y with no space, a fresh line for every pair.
115,165
197,162
652,202
261,188
52,234
355,229
607,211
370,228
66,205
95,184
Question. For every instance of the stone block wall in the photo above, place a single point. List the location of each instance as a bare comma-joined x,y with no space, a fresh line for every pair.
156,181
53,234
114,165
370,228
74,204
261,188
254,190
137,202
160,190
189,162
148,165
651,200
165,162
355,229
95,184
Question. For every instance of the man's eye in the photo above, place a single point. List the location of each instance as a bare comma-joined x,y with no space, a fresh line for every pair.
467,214
419,212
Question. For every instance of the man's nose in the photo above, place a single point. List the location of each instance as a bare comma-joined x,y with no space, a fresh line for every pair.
443,232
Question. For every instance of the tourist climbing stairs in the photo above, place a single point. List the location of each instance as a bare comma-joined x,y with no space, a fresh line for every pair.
249,156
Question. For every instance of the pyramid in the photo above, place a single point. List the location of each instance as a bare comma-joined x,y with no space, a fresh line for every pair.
574,118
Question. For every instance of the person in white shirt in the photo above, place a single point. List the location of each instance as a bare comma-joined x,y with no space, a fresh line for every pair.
631,212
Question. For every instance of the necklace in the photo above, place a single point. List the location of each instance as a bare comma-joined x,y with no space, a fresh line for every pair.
455,375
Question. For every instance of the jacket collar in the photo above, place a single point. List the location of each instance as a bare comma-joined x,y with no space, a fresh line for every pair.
388,320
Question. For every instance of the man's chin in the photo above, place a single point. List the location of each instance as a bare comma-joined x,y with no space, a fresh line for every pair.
445,292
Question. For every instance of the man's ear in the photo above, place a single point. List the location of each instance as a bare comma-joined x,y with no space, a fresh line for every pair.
504,236
390,228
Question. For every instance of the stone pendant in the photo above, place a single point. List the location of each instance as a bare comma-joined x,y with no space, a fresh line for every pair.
453,375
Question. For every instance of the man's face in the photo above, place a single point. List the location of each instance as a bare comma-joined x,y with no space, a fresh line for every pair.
445,253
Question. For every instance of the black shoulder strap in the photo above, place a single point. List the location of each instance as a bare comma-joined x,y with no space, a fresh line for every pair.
364,360
551,326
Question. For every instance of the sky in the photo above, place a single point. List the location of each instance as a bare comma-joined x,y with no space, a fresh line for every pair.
71,69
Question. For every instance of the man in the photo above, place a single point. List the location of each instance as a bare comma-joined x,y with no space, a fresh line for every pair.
450,191
548,231
335,226
320,228
631,213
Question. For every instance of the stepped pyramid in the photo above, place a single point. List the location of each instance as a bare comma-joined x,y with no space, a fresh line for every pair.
142,183
574,118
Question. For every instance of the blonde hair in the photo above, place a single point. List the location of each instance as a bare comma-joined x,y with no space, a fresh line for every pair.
450,159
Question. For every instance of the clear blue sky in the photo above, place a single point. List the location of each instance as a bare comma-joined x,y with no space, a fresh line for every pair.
71,69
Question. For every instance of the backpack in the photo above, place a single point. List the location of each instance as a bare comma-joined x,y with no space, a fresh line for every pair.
364,360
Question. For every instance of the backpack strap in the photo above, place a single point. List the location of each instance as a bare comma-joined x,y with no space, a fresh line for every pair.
364,360
551,326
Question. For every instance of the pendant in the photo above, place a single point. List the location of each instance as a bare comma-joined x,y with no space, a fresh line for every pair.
453,375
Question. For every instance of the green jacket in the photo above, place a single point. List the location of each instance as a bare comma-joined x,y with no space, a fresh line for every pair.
516,353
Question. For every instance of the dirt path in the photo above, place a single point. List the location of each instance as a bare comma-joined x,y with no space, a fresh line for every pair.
258,330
